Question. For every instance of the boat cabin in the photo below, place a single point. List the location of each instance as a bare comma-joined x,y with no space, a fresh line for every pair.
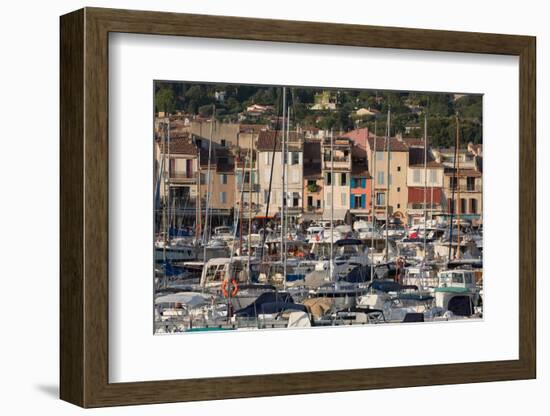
457,278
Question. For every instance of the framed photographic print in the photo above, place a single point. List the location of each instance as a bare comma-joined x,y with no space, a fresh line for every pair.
257,207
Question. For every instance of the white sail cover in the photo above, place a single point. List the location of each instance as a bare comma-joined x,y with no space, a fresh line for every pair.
299,319
189,299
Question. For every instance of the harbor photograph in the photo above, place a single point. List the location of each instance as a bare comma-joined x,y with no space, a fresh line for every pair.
283,207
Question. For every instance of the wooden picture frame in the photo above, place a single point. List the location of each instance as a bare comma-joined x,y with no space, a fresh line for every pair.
84,207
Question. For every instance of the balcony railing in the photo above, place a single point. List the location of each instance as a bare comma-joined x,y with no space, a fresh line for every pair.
245,187
183,175
465,188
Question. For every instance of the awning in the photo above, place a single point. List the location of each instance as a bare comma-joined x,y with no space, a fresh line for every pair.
308,216
339,214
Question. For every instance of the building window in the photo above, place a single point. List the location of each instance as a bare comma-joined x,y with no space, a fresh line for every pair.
471,183
462,205
203,178
433,177
311,183
452,182
295,158
357,201
473,206
416,176
380,180
399,168
398,206
223,179
222,142
223,198
328,179
247,177
380,198
295,199
398,189
318,203
343,179
309,201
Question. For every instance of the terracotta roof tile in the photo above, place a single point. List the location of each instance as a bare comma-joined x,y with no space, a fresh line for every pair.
396,145
416,158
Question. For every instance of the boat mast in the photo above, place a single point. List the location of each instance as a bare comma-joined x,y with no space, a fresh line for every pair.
285,167
206,225
199,207
388,150
425,178
331,202
249,206
459,202
169,180
373,200
165,170
283,186
455,176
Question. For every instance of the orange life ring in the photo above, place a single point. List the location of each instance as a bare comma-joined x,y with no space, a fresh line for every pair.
234,291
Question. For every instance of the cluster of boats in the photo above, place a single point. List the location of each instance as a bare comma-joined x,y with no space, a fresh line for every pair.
319,274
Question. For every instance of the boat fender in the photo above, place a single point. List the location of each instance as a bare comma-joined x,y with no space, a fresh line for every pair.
234,290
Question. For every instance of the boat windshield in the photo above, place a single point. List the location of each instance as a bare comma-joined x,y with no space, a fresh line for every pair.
215,273
449,278
348,250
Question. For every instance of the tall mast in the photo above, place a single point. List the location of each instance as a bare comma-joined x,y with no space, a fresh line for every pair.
373,200
249,205
425,177
455,176
241,206
459,202
388,150
199,202
206,225
331,202
285,167
166,172
283,185
169,179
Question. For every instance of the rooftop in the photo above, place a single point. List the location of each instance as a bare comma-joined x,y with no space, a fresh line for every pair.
396,145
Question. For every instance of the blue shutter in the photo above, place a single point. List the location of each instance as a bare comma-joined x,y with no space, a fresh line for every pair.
353,182
351,201
364,182
363,200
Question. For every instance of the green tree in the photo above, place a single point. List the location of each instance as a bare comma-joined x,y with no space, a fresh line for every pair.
164,100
